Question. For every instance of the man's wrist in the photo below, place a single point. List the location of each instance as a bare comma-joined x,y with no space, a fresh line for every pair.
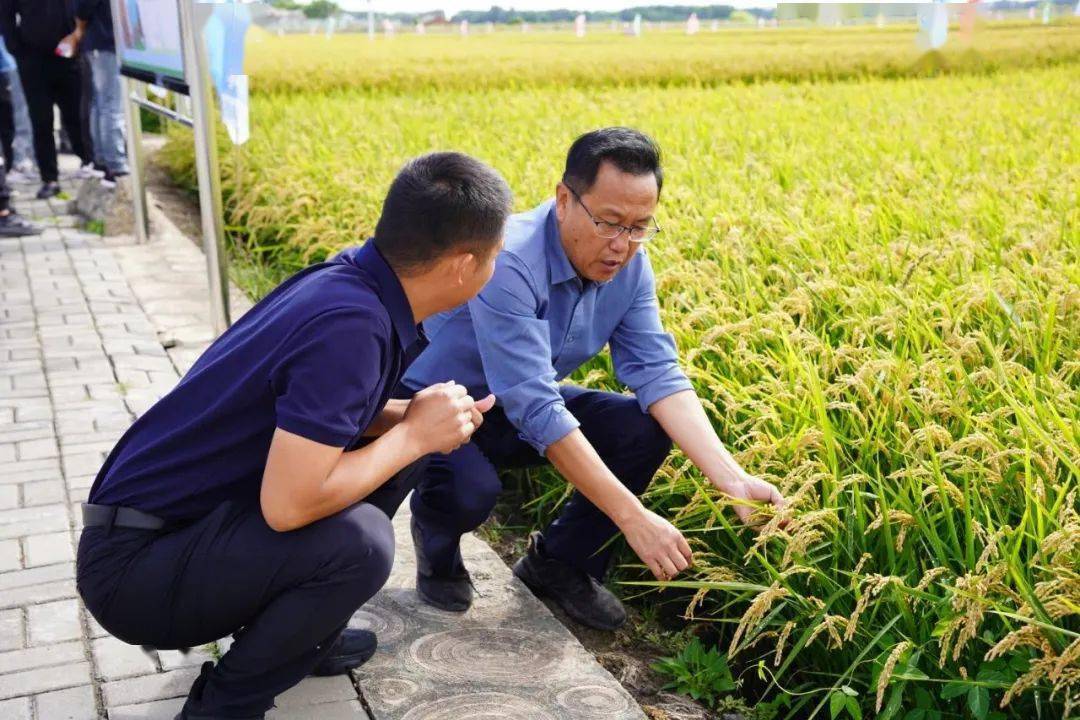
411,442
627,513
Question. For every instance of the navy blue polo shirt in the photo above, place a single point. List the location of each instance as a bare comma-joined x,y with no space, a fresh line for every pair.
319,357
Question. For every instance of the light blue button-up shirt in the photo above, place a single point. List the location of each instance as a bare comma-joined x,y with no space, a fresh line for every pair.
536,322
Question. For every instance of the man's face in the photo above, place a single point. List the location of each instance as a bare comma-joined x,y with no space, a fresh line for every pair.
616,197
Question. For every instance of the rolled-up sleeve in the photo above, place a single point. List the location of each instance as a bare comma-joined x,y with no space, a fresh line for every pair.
515,349
644,356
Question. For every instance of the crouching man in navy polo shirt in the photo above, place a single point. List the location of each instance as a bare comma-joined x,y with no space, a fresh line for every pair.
573,278
255,498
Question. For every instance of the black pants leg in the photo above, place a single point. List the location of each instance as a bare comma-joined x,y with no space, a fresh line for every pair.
37,86
68,91
7,121
633,446
292,592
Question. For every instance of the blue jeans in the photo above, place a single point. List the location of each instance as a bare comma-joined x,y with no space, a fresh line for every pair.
107,112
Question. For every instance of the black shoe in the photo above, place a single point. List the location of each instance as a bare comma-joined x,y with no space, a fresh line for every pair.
579,594
451,593
14,225
191,710
353,648
48,190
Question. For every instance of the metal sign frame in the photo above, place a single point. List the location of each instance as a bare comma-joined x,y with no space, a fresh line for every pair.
198,88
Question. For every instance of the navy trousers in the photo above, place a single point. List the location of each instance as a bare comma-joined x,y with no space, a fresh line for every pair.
289,593
456,492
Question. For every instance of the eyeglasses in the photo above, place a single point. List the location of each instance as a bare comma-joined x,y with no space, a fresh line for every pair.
610,231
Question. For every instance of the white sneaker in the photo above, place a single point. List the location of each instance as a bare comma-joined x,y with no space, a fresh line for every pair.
21,176
88,171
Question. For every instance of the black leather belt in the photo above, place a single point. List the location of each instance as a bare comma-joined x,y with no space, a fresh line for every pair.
111,516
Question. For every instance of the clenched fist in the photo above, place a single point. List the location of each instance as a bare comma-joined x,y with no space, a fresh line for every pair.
443,417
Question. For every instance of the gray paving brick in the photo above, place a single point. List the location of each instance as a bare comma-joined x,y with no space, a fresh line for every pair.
82,464
45,656
10,553
29,430
24,521
117,660
15,709
36,576
341,710
148,688
12,636
316,690
42,492
32,682
9,497
158,710
37,449
31,594
75,703
53,622
47,549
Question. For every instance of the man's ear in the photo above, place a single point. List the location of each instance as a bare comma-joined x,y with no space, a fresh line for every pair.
463,266
562,200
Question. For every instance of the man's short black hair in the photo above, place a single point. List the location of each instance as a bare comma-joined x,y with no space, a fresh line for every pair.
631,151
439,202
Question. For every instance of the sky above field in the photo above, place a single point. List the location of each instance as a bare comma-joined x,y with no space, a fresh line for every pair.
453,6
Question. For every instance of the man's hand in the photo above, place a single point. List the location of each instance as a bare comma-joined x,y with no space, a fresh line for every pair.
72,39
443,417
747,490
658,543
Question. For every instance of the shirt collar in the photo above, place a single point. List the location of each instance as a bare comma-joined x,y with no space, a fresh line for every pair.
560,269
390,292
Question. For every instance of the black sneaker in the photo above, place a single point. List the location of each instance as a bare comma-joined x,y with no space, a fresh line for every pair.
353,648
579,594
48,190
191,710
15,225
453,593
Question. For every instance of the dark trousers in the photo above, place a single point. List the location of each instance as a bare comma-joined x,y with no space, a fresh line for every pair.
7,137
457,492
7,121
292,593
51,80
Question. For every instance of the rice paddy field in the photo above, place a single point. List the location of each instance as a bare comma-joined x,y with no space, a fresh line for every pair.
871,265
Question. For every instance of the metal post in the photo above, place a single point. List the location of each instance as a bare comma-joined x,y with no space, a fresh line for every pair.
197,74
135,161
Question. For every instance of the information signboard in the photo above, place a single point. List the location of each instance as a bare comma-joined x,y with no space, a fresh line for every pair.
148,42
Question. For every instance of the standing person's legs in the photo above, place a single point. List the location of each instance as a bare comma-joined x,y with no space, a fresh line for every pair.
86,98
23,145
108,112
35,75
7,121
95,107
68,91
292,593
633,446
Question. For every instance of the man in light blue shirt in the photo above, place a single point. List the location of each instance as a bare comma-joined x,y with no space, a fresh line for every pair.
572,278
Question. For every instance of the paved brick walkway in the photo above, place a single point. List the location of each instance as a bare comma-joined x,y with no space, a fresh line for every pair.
92,332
